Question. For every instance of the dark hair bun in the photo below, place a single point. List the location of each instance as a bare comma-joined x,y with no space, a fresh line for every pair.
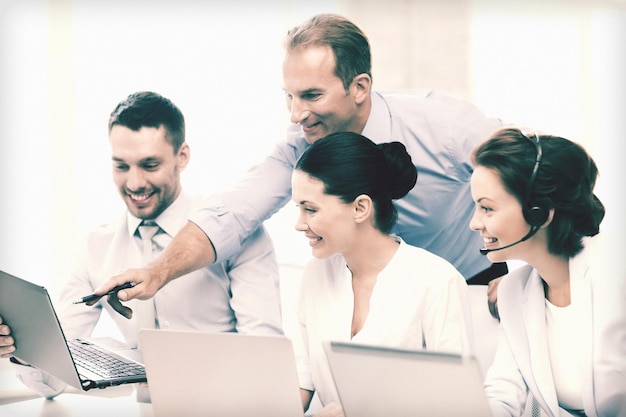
402,174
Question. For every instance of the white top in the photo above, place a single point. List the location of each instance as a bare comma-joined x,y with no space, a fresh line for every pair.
563,335
419,301
523,362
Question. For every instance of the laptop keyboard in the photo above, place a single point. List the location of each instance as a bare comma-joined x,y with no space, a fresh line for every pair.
94,359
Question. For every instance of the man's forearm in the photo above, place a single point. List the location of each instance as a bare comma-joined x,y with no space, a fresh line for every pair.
190,249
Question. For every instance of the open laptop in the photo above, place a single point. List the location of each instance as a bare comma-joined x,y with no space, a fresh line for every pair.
375,381
40,341
220,374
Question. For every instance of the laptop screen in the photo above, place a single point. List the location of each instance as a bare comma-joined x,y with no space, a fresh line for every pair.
374,381
39,339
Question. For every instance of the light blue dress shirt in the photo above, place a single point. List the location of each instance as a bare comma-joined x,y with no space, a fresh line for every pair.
439,133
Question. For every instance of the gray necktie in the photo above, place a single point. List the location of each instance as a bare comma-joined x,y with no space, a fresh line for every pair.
145,308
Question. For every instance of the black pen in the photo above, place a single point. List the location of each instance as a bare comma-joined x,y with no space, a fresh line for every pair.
93,297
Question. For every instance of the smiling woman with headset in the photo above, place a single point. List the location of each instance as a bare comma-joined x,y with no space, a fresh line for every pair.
563,316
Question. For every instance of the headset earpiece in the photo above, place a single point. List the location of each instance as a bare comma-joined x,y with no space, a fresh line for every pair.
536,216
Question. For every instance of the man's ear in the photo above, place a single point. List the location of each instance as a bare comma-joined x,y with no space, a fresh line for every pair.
363,208
362,85
184,154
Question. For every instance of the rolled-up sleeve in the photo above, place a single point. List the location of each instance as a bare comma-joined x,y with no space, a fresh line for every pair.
230,217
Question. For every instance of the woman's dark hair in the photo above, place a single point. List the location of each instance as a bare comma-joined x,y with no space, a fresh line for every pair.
350,165
564,181
149,109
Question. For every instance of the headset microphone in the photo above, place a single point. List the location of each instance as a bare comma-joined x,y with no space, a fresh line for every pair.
533,230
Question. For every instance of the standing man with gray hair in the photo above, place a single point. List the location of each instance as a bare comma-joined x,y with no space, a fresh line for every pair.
327,82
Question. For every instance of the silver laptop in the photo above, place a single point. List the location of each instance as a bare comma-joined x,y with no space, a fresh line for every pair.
374,381
39,340
220,374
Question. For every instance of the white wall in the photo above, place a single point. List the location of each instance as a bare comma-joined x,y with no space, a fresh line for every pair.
65,64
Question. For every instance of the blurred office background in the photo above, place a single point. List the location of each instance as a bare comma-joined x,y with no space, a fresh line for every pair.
554,65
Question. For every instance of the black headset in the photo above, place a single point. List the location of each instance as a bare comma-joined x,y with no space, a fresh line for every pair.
534,215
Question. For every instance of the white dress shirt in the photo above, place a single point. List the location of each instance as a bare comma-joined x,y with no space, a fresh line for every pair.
239,295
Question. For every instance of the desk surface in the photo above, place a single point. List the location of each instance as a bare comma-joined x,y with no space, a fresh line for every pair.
76,405
17,400
110,401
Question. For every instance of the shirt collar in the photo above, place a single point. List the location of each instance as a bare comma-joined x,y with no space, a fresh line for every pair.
171,220
378,125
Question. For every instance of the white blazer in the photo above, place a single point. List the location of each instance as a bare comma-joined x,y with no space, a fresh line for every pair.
522,360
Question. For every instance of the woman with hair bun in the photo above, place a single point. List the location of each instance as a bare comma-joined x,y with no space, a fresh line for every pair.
562,316
365,285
